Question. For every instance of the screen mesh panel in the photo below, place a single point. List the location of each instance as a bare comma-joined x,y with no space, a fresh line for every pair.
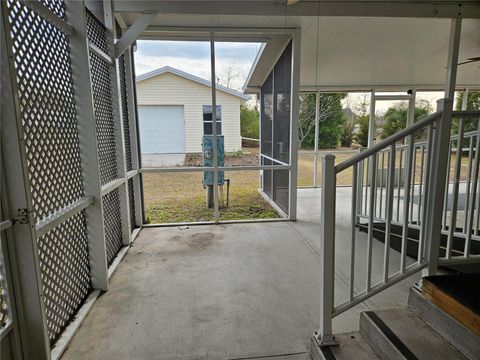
126,119
49,128
113,224
281,106
65,272
275,103
131,203
266,104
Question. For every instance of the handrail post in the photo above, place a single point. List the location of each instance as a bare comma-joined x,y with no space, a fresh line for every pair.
359,192
441,152
327,250
436,186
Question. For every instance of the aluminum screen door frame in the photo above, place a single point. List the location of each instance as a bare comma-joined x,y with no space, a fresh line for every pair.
277,131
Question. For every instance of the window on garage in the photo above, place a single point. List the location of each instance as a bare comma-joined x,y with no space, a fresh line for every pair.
207,119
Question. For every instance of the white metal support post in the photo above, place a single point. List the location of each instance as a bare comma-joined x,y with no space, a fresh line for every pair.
134,137
214,126
327,250
79,57
371,120
317,125
465,100
294,112
23,250
411,108
118,121
440,153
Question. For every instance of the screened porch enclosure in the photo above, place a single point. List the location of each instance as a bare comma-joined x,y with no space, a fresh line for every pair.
75,165
83,275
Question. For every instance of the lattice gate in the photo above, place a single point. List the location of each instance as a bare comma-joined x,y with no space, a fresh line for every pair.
81,201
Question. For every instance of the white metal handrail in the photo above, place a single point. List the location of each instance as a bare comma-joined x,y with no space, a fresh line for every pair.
459,180
397,182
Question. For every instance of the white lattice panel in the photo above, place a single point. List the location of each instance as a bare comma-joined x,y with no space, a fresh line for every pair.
113,224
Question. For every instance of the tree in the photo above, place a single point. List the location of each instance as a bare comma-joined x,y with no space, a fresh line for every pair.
473,104
331,119
473,101
249,122
231,76
348,129
361,135
395,118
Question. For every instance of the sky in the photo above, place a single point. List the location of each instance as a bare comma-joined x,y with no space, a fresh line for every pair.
233,61
193,57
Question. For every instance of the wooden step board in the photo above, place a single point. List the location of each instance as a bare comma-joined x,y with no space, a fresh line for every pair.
457,295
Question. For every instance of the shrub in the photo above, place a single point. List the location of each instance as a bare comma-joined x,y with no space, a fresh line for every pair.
249,122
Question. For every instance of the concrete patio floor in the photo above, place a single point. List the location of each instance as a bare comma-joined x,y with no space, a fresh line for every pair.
228,291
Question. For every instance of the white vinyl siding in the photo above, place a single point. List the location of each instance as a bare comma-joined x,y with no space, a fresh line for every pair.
170,89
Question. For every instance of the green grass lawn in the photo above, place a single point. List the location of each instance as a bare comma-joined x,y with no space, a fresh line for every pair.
180,197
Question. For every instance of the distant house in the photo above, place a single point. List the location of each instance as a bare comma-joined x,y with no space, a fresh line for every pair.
174,110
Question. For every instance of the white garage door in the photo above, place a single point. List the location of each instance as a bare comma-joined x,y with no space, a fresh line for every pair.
162,129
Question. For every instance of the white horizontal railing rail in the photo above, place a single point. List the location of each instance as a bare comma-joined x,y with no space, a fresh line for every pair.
461,200
395,188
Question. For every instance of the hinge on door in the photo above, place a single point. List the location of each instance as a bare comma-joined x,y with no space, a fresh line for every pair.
22,218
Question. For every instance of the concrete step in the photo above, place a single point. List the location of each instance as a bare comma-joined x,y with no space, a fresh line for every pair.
350,346
401,334
458,335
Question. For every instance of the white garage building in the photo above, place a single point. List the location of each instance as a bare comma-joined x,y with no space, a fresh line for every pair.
174,109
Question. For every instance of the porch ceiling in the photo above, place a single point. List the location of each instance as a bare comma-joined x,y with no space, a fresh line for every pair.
354,53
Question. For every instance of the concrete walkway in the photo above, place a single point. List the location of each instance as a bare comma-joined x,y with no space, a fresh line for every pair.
224,292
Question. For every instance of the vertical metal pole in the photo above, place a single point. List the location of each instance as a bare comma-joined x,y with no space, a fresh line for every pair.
315,154
371,120
353,223
23,250
465,100
406,202
214,126
389,211
427,169
118,121
371,215
327,250
440,153
410,139
471,203
294,112
456,183
411,108
88,142
134,137
360,177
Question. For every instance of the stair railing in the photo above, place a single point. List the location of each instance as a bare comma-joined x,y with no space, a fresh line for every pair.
460,215
364,190
399,181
